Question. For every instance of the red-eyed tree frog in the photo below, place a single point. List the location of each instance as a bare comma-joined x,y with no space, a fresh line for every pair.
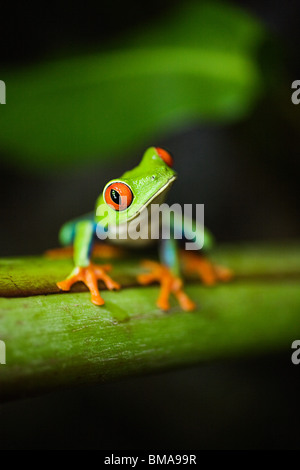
122,201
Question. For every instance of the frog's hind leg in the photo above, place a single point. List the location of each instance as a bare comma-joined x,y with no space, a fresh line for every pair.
103,250
61,252
99,250
209,273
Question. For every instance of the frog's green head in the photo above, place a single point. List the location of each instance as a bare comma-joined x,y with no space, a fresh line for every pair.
125,197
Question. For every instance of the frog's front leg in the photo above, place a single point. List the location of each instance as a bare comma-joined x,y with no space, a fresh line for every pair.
167,274
84,270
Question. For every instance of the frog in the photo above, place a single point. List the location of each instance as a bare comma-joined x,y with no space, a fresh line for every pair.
122,202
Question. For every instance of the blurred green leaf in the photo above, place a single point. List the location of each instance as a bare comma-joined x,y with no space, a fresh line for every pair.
198,64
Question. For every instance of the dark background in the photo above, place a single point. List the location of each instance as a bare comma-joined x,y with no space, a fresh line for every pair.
248,178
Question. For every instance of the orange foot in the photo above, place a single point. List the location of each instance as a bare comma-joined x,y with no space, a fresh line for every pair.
169,284
90,275
207,271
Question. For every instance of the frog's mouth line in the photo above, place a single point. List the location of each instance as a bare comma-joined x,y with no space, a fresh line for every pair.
157,195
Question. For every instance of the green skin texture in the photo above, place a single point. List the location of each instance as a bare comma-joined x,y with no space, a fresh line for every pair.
150,180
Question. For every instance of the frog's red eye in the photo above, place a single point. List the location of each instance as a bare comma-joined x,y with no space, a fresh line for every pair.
118,196
165,156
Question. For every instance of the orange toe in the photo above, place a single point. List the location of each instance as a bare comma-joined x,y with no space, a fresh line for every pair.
185,302
163,304
101,273
224,274
97,300
63,285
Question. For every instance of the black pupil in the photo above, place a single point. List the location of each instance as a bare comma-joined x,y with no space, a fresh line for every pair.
115,196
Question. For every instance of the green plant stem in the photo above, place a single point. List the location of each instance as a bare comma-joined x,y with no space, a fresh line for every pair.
63,339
